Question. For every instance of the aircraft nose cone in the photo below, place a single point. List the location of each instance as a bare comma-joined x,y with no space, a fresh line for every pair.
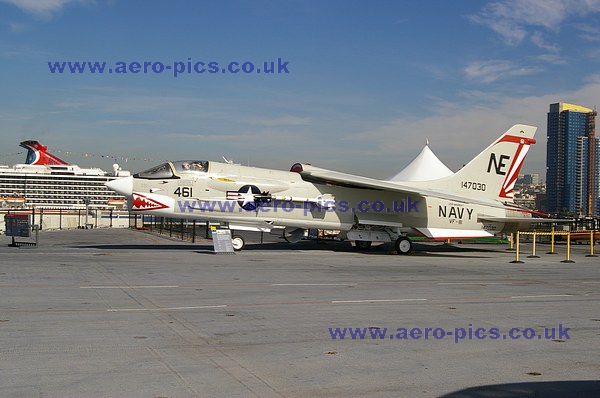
123,186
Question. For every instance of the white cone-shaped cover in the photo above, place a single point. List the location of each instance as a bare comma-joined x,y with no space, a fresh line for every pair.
426,166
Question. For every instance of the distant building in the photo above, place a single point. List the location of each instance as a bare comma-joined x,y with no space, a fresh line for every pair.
529,179
540,202
535,179
572,161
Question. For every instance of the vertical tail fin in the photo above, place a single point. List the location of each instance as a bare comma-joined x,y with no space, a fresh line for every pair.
492,174
36,154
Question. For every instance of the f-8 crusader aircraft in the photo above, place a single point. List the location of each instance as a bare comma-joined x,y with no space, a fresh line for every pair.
477,201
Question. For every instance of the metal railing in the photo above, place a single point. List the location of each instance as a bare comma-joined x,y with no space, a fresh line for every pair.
52,219
180,228
591,235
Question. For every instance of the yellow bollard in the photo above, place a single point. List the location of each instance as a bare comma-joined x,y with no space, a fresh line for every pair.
568,259
511,242
592,232
551,242
533,255
516,260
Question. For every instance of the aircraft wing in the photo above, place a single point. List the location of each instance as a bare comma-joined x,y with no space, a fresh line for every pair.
521,220
323,176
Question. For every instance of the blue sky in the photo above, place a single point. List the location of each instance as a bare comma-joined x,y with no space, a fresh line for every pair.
368,82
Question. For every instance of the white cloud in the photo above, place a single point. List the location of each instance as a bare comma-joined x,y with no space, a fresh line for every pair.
588,32
538,40
457,133
492,70
511,18
42,8
552,59
510,31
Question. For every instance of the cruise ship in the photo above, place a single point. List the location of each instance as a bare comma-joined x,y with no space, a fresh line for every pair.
45,181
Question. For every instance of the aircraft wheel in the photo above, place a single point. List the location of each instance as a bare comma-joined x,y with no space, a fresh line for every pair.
237,242
403,245
362,244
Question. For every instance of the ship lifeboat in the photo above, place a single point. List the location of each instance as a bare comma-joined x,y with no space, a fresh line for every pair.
15,201
116,202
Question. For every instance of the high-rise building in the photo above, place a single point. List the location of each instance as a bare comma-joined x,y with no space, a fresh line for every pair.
572,161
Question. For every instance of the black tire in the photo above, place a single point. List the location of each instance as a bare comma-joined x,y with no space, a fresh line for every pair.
362,244
403,245
238,243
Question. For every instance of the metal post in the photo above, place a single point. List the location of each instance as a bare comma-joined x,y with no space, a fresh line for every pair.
551,242
86,202
511,242
592,232
516,260
568,259
182,234
533,255
193,231
59,218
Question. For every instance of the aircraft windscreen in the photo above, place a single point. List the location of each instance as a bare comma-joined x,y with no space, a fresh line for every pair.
190,166
162,171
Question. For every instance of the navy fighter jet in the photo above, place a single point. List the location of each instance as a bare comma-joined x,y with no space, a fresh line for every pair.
477,201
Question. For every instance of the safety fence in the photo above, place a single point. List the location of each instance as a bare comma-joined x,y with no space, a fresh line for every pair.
180,228
515,242
53,219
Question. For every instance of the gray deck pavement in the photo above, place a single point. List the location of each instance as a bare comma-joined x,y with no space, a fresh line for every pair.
123,313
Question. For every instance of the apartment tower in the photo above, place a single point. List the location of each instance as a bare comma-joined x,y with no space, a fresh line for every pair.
572,161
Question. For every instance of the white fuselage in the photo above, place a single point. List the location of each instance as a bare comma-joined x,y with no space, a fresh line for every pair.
265,198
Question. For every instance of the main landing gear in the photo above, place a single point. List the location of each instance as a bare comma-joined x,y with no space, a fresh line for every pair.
362,244
402,245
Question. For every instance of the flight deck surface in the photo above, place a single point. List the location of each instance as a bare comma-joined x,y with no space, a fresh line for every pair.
123,313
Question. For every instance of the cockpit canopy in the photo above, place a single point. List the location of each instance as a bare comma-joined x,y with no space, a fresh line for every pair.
190,166
174,170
